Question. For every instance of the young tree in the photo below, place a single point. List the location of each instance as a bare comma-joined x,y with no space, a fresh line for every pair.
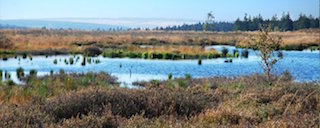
267,46
209,21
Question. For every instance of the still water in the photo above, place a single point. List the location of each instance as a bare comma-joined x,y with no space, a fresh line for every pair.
303,65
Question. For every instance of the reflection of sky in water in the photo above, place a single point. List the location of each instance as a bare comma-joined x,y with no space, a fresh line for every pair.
303,65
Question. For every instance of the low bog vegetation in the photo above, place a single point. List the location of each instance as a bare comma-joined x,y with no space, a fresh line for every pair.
182,102
37,41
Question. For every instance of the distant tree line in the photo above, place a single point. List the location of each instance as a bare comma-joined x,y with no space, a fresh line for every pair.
248,23
215,26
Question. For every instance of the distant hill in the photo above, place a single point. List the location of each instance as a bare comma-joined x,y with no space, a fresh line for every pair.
6,26
96,23
15,24
131,22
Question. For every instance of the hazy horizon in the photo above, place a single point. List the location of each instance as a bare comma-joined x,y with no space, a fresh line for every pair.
166,9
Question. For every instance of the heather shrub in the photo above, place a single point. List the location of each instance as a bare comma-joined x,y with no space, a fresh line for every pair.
126,103
106,120
92,51
74,104
24,116
181,102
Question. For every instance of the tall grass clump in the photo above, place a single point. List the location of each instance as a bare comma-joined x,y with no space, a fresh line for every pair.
236,53
66,62
7,75
83,63
30,56
1,75
20,72
71,61
55,61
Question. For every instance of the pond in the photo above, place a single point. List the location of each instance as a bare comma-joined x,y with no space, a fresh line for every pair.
303,65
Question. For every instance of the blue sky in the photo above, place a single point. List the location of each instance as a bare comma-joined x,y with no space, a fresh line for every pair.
224,10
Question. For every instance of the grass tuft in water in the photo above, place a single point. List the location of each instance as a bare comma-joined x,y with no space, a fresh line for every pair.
20,72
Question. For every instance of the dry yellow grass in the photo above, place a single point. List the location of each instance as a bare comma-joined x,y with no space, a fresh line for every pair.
41,40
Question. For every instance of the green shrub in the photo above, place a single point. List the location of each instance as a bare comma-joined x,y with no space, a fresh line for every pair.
182,83
61,71
33,72
144,55
24,56
176,56
156,55
224,52
245,53
199,61
314,48
187,76
168,55
133,55
10,82
55,61
170,76
89,60
97,61
4,58
155,82
298,47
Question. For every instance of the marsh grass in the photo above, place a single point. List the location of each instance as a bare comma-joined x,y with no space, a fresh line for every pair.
72,100
54,42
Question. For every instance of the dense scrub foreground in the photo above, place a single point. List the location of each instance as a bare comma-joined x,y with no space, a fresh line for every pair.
85,101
